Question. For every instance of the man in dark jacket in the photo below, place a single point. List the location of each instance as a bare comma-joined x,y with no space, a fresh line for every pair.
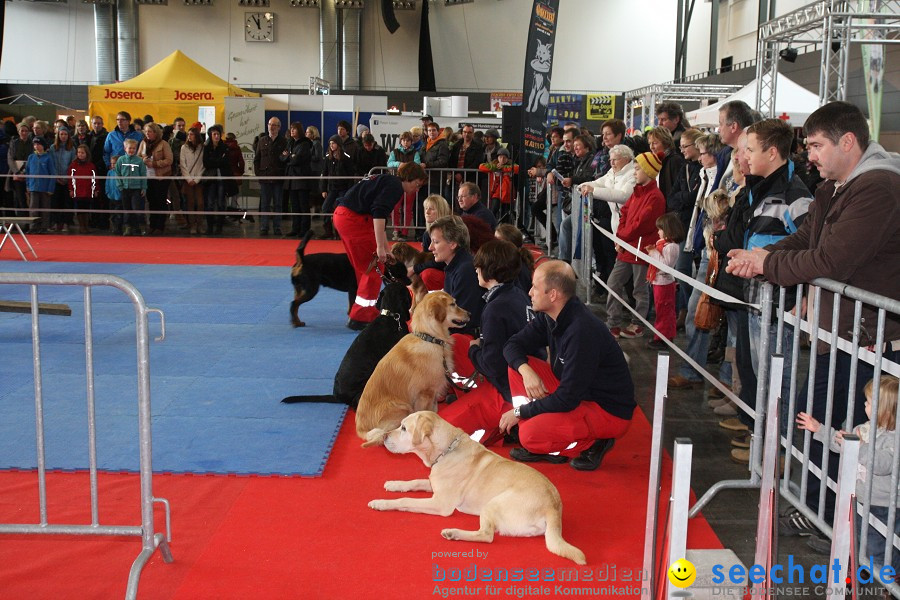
851,235
466,154
371,155
671,116
583,399
351,148
435,155
268,151
469,199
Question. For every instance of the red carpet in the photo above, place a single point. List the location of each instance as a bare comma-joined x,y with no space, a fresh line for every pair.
168,250
277,538
273,538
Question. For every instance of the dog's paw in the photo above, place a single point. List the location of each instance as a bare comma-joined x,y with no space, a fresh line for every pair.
450,534
298,323
379,504
395,486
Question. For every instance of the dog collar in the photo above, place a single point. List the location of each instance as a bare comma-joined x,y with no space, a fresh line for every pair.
386,313
429,338
453,445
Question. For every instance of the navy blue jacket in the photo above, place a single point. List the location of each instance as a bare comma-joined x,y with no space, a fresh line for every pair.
722,159
376,196
461,282
482,212
524,278
584,357
505,314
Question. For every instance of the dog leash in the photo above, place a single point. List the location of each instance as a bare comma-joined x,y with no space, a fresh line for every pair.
453,445
386,313
466,384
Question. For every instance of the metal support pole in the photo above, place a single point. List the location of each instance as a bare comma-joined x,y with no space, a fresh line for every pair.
651,527
681,499
764,531
844,511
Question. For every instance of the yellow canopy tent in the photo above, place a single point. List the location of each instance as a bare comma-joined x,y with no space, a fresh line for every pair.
176,86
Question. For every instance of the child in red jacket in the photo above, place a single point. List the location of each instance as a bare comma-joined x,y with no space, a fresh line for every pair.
500,188
83,186
637,227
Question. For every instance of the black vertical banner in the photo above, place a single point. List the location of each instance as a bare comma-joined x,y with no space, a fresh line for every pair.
536,84
426,61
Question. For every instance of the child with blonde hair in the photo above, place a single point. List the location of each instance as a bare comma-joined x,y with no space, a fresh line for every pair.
881,443
717,207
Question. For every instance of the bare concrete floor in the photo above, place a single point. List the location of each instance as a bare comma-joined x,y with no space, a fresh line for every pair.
732,513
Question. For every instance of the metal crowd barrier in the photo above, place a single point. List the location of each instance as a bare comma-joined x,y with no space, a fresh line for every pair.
440,181
150,540
767,431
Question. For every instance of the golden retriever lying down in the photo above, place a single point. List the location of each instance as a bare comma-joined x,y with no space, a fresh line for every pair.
412,376
511,498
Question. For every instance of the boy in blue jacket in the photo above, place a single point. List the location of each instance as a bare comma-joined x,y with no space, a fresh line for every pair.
40,188
131,179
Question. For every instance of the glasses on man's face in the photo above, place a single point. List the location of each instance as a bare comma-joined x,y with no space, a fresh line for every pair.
685,147
461,196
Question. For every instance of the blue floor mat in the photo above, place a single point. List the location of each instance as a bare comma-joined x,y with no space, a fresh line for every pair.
229,356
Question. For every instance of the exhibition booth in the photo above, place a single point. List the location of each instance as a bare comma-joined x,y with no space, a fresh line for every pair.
174,87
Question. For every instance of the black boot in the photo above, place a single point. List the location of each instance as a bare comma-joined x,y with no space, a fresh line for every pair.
591,458
523,455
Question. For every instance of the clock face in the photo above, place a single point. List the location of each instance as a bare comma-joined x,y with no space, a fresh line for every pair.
259,27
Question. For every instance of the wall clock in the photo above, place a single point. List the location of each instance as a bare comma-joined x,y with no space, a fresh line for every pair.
259,27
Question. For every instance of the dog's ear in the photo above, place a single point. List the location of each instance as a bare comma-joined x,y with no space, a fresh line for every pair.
440,307
423,429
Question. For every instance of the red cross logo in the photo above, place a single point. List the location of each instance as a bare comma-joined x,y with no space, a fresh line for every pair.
785,117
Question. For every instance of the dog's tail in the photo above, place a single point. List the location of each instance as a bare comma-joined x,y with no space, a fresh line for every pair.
555,542
302,246
329,399
375,437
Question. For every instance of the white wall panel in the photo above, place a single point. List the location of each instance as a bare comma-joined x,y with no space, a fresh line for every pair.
52,41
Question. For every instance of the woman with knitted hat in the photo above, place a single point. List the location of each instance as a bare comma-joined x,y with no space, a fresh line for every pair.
637,227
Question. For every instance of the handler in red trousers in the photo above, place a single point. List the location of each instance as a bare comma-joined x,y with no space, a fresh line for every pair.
359,218
580,402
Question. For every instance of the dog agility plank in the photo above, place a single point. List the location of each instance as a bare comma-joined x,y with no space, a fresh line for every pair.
44,308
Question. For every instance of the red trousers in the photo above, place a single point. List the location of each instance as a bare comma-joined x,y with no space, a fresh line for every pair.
461,363
555,432
664,303
433,279
479,409
359,242
402,215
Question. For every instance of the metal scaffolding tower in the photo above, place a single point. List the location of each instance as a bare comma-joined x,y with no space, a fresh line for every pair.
832,24
646,98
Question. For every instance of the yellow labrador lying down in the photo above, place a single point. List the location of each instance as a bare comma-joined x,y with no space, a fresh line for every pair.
511,498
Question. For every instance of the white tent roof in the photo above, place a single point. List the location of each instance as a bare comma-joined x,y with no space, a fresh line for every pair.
792,102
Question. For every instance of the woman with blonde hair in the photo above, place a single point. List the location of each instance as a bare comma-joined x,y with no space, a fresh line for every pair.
157,155
63,153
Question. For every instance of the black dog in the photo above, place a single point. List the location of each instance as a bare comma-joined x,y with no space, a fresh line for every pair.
368,348
310,272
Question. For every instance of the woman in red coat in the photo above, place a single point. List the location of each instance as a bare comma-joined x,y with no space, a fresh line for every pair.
637,227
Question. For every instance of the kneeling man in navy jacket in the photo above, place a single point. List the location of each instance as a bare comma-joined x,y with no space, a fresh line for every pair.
581,401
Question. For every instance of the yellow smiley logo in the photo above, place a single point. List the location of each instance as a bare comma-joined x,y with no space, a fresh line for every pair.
682,573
